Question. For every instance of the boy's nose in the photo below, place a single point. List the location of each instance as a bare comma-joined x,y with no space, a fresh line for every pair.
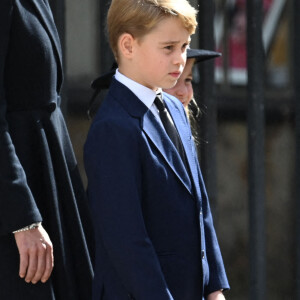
180,58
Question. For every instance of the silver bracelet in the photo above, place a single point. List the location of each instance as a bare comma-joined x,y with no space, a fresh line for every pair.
32,226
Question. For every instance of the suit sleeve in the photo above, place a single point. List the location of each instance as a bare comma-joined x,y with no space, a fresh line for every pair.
114,189
217,274
17,206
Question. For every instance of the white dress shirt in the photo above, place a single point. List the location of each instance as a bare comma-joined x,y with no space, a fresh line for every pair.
145,94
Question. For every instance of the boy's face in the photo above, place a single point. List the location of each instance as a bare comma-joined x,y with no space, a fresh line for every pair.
158,58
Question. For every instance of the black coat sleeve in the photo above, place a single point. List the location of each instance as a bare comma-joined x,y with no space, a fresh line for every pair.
17,206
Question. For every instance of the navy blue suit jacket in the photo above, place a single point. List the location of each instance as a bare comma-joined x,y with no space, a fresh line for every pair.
154,231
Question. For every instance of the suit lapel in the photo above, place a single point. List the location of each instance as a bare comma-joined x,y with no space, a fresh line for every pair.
152,129
160,139
45,15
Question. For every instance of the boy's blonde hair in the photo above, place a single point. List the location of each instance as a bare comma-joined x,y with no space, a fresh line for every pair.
139,17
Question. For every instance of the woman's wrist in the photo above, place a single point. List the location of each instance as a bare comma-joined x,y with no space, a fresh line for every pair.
29,227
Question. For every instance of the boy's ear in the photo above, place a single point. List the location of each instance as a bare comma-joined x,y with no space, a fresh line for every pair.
126,42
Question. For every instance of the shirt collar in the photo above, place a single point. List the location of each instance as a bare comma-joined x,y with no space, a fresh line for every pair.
145,94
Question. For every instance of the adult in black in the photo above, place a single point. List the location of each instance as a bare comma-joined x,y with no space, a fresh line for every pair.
39,179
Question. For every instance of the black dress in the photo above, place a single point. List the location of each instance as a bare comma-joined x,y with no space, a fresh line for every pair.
39,178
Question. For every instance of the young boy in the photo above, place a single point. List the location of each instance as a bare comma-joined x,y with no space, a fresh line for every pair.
154,233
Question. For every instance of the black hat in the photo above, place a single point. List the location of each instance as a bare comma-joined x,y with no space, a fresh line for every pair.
201,54
101,83
104,80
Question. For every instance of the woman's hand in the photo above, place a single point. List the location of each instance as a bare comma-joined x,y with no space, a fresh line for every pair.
36,254
218,295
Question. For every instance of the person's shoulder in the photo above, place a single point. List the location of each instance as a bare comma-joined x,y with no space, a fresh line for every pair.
175,104
113,130
112,117
173,101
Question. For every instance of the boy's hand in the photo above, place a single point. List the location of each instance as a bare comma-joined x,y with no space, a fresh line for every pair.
218,295
36,254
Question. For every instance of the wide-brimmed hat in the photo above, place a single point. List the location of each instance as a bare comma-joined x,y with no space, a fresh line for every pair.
104,80
201,54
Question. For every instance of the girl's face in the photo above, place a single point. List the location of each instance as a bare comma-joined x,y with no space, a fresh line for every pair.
183,90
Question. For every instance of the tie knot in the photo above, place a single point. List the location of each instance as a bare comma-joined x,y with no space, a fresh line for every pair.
158,101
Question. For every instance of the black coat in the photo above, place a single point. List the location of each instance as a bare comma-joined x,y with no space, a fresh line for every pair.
39,178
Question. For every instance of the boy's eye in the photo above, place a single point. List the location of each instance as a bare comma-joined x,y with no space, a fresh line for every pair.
170,47
185,46
188,80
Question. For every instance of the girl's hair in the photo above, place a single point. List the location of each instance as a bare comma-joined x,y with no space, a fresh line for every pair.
194,113
139,17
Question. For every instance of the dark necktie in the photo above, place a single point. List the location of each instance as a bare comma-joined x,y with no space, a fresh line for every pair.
170,127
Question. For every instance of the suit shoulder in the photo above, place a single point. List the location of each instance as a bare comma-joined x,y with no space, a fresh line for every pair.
113,120
176,104
113,132
173,101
